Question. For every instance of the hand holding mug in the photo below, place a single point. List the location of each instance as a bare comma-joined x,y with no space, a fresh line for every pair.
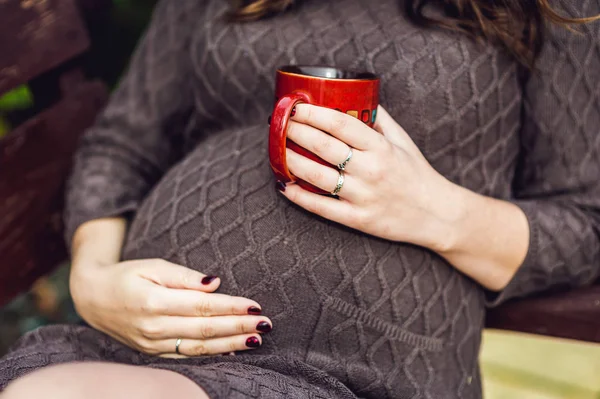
353,93
384,185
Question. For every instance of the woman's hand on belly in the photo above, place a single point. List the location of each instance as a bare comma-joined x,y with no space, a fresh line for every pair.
389,191
155,306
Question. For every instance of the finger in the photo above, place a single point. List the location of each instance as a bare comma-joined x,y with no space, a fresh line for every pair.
340,211
210,347
348,129
390,129
320,143
170,275
318,175
199,328
174,302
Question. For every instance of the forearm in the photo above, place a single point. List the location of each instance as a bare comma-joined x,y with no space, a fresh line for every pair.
98,242
489,239
95,244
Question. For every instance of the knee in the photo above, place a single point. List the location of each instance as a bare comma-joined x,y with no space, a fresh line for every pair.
47,383
22,388
15,390
101,380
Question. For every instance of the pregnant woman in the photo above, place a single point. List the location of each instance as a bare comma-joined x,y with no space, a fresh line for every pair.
479,183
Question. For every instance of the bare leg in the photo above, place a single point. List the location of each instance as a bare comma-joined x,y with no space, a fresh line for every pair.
103,380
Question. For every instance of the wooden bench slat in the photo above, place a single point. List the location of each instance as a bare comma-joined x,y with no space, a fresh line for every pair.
37,36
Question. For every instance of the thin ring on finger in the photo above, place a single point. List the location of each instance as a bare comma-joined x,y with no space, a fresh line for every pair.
324,177
208,347
342,166
207,327
340,184
325,146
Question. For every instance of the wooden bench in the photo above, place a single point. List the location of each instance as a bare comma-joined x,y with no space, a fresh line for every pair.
41,42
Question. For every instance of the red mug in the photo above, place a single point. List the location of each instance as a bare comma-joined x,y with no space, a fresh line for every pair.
354,93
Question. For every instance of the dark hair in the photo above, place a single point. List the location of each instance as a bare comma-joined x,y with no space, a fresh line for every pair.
516,25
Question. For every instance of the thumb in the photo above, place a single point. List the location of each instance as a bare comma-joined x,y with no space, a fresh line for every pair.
390,129
170,275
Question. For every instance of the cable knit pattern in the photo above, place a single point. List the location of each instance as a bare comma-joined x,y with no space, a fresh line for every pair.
181,149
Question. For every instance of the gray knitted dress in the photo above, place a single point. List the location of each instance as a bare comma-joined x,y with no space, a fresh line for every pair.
182,150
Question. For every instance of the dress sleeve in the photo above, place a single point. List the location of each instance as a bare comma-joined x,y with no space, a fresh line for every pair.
138,136
558,179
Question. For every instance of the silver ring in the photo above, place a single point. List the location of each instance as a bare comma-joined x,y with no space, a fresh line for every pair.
340,183
342,166
177,343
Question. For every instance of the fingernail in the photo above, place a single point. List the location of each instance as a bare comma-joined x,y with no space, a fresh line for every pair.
269,120
252,342
280,186
254,311
263,326
293,112
208,279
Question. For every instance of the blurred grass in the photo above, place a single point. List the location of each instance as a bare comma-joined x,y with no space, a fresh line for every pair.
521,366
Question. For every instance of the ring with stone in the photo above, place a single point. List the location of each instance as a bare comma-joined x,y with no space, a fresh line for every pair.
342,166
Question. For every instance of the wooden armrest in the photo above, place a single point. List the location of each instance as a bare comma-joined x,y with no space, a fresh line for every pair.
572,315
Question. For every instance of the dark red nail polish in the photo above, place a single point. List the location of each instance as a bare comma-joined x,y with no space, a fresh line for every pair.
280,186
293,112
252,342
264,327
269,120
254,311
208,279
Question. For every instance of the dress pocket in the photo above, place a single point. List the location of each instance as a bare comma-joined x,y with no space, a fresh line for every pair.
384,328
368,353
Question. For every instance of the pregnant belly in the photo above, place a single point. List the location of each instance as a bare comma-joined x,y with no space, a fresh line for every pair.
333,294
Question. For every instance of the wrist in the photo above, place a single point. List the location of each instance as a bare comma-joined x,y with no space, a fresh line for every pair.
487,238
98,243
449,215
81,277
